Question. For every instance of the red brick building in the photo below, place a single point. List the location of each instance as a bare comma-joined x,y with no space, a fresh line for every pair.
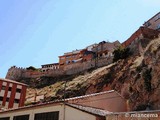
76,56
12,93
141,33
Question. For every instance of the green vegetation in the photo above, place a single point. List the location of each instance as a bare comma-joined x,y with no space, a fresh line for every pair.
121,53
147,79
31,68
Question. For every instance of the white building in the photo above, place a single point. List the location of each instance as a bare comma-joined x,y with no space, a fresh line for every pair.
88,107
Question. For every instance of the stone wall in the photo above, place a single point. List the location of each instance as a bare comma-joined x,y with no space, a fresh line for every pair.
80,67
143,115
35,74
16,73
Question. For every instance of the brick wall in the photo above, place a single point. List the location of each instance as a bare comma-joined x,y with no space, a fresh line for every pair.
141,33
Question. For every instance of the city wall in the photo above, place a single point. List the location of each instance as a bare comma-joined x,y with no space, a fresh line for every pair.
16,73
80,67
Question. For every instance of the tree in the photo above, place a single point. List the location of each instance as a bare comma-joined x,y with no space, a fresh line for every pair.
121,53
31,68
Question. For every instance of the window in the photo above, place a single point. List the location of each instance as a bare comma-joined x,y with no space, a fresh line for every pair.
158,26
9,89
47,116
16,100
62,58
18,90
5,118
1,98
148,24
3,87
21,117
7,99
158,17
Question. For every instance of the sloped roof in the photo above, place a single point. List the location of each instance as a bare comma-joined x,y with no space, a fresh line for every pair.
50,64
94,94
91,110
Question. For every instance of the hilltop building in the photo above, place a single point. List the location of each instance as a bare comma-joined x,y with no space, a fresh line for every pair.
90,47
52,66
153,22
105,49
12,94
75,56
101,50
149,30
141,33
88,107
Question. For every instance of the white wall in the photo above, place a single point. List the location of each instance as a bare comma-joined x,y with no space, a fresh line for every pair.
32,111
70,113
75,114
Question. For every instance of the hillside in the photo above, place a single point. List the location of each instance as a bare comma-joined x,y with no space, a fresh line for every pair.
136,78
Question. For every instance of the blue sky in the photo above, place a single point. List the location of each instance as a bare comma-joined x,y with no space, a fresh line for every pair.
36,32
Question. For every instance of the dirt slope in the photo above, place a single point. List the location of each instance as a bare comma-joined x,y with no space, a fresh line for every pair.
136,78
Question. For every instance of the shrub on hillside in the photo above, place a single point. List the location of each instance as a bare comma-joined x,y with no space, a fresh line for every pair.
147,79
121,53
31,68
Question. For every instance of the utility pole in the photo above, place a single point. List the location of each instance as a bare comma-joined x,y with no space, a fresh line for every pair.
64,101
96,58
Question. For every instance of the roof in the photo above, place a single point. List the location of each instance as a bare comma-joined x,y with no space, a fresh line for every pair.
91,110
74,52
50,64
13,81
94,94
152,17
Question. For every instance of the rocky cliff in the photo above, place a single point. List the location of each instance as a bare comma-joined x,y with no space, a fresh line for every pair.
136,78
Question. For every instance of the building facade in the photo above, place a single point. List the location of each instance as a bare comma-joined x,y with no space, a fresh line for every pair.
51,111
105,49
107,100
154,22
76,56
89,107
47,67
141,33
12,94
